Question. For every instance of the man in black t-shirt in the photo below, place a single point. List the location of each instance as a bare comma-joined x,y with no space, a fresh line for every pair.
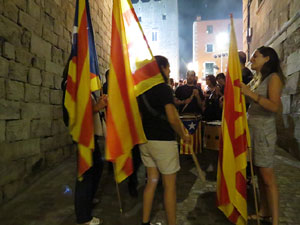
246,73
189,97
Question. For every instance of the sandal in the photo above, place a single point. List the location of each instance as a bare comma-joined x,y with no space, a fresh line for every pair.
264,219
95,221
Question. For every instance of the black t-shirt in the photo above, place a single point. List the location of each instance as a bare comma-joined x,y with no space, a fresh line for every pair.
184,92
247,75
155,123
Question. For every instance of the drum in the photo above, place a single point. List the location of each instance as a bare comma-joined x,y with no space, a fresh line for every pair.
212,131
193,124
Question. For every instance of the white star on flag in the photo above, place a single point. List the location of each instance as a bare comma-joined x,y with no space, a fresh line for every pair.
192,125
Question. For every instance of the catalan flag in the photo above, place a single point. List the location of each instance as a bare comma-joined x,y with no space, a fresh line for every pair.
83,78
133,70
231,178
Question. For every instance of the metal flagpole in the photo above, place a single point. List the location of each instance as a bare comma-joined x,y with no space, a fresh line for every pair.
254,186
118,190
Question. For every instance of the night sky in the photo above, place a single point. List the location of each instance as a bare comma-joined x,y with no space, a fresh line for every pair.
208,10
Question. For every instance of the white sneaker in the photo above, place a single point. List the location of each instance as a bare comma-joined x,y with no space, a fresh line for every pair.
95,221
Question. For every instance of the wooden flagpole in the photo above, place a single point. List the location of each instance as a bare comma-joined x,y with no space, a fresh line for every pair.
254,186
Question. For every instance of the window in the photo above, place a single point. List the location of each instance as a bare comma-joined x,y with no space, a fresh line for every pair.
209,68
140,19
164,16
209,29
145,0
157,0
134,1
209,48
154,35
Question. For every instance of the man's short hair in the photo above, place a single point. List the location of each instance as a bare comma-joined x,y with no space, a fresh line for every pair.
243,57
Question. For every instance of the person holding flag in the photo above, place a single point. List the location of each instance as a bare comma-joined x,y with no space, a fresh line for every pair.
160,154
83,108
264,95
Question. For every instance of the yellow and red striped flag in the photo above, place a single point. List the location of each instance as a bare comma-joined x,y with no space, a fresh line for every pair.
83,78
133,70
231,178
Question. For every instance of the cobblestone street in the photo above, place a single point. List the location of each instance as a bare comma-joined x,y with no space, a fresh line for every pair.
49,201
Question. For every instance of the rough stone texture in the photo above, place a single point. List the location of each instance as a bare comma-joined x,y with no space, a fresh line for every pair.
45,95
14,90
2,88
17,71
56,97
4,65
35,43
2,130
34,76
276,15
19,150
17,130
8,51
32,93
9,110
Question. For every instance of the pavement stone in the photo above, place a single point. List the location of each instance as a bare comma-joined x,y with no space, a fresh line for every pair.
49,201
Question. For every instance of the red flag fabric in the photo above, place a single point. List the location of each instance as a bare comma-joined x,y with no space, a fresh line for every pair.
231,177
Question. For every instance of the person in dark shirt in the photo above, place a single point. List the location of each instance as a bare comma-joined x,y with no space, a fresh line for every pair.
247,75
189,98
160,154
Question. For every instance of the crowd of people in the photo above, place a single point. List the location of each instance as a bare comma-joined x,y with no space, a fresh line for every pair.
160,108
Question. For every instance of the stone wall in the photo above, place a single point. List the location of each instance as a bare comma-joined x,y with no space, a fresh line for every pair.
35,43
277,24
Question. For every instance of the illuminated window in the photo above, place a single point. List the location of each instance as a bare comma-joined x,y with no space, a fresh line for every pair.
209,48
209,68
209,29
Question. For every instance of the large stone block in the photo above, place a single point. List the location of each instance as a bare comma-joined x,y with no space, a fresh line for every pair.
19,150
49,36
4,65
57,111
9,110
30,23
8,51
34,10
36,111
48,144
51,8
45,95
40,47
55,97
32,93
63,44
17,130
39,63
2,131
58,127
54,67
2,88
23,56
48,21
57,82
40,128
10,171
26,39
47,79
14,90
57,55
34,76
10,31
21,4
293,63
17,71
58,28
11,11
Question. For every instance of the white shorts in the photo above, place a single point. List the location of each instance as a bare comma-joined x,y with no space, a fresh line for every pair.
161,154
